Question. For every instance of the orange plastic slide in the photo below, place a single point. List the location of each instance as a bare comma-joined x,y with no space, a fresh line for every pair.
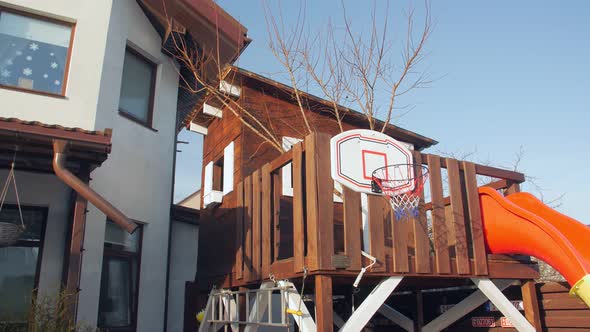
521,224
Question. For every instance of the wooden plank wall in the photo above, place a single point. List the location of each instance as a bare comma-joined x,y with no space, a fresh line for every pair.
559,311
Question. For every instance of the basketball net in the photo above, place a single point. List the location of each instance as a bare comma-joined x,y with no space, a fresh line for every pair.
402,184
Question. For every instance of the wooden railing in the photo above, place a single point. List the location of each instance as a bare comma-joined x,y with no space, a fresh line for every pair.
283,235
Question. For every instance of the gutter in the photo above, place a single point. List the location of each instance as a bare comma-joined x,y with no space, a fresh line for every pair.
59,161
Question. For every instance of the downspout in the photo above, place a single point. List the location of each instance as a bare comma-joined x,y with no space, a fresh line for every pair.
59,161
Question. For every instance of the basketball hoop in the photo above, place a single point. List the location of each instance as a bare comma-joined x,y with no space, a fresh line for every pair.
403,184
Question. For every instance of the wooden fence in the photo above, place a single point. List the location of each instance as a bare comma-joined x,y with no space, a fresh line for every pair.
282,235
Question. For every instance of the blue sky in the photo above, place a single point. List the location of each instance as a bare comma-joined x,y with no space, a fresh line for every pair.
511,74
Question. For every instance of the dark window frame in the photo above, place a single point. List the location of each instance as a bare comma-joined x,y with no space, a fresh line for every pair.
134,293
65,80
34,244
148,123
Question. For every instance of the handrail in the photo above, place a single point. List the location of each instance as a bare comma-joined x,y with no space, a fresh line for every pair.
485,170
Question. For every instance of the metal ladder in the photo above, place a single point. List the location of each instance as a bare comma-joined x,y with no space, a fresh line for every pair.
223,308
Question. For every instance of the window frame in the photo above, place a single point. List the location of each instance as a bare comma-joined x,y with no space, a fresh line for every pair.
32,244
129,256
72,26
148,123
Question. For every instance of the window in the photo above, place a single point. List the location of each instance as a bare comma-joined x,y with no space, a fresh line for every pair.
19,263
34,52
219,177
120,279
288,143
137,87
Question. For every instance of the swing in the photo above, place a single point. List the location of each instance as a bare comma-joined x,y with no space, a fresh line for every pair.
298,312
10,232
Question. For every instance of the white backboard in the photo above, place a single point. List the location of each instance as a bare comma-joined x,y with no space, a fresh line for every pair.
355,154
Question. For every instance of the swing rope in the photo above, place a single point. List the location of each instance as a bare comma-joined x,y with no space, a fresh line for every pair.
10,232
12,178
298,312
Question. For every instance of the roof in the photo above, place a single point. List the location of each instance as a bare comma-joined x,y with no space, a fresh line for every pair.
35,140
184,202
184,214
198,23
352,117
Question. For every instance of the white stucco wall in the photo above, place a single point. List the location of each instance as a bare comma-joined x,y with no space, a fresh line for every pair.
183,267
46,190
137,177
78,108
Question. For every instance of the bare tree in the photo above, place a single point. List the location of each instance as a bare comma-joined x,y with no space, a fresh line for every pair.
348,68
202,71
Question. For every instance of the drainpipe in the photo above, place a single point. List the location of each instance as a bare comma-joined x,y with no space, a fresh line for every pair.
59,161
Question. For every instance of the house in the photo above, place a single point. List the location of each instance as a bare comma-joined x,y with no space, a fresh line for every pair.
91,103
192,201
275,222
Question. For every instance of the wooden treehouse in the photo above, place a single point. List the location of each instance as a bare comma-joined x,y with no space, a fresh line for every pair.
281,217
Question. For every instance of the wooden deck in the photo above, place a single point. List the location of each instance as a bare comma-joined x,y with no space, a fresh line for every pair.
321,232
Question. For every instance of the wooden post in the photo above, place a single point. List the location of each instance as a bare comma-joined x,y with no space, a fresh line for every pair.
419,317
75,252
320,204
531,303
323,303
298,210
513,187
458,222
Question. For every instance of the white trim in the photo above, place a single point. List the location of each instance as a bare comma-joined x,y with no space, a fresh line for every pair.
214,197
365,222
258,307
233,90
197,128
305,321
212,110
287,170
371,304
231,310
496,296
228,168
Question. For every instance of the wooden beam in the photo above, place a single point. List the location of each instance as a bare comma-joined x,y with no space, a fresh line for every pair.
298,200
462,308
256,226
458,216
372,303
377,210
352,227
266,230
323,303
239,265
480,256
531,303
496,296
320,203
248,228
420,227
439,226
397,317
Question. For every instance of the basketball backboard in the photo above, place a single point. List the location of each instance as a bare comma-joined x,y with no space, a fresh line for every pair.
355,154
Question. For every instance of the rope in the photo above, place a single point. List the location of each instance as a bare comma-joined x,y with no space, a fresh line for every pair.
12,177
298,312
